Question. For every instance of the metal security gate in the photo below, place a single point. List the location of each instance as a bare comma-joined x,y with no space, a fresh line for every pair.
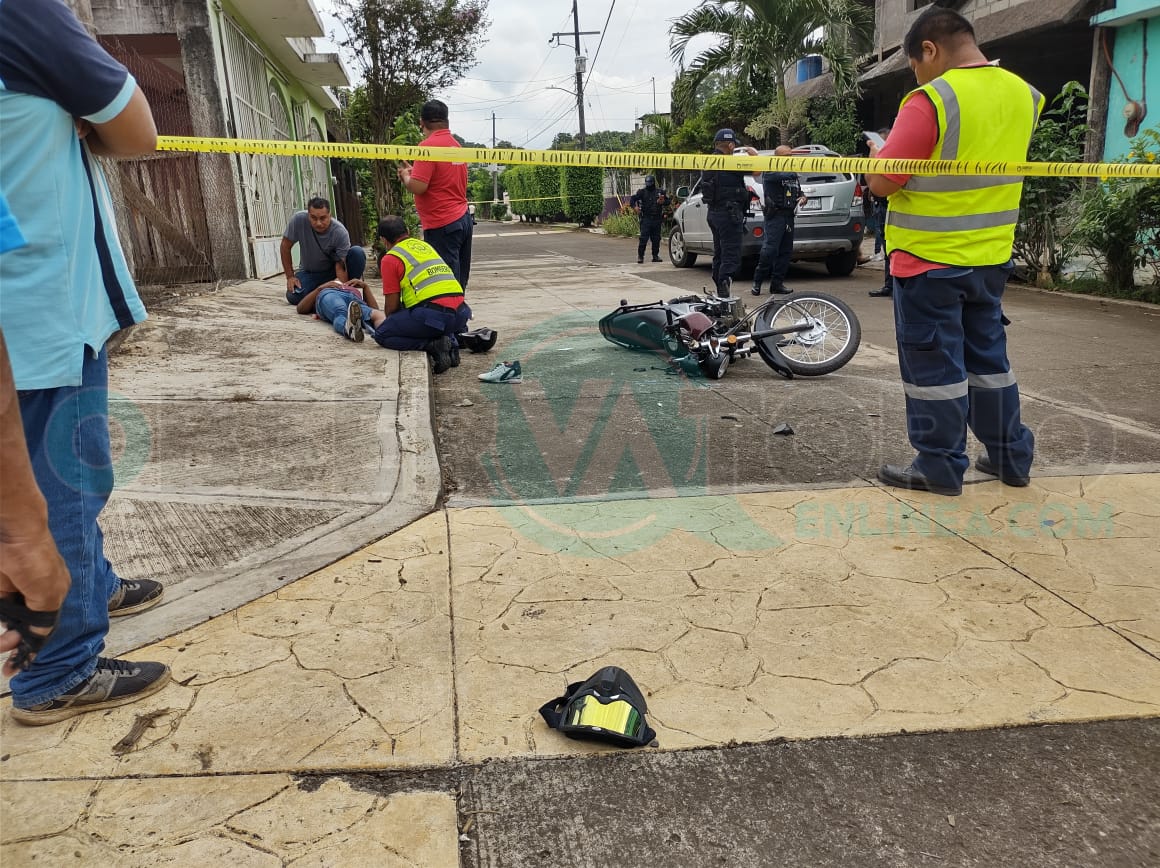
269,187
315,171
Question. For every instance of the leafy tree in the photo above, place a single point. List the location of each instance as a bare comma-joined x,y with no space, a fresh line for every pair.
564,142
834,123
759,41
406,49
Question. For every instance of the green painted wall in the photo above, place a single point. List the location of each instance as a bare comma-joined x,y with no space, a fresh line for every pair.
1139,77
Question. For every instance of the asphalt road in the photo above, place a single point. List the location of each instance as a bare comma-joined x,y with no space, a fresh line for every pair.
1085,369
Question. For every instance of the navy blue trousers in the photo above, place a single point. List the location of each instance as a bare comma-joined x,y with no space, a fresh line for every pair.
650,231
952,352
727,226
412,328
453,244
776,248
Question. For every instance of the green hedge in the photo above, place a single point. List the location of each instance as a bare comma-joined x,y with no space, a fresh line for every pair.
555,192
582,189
546,184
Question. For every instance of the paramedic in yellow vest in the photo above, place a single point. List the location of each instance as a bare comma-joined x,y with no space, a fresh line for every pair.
949,238
423,305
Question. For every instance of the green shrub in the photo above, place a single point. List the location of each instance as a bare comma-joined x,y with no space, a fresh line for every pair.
582,189
1121,220
1049,208
624,224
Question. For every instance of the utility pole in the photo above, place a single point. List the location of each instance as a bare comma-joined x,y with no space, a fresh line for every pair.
494,167
654,82
581,63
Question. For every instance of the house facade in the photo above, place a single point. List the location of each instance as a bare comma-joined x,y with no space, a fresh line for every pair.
1127,69
1046,43
220,68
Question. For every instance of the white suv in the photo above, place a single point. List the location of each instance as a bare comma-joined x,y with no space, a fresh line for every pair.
828,228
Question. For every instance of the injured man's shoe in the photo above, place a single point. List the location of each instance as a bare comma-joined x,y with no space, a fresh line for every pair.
478,340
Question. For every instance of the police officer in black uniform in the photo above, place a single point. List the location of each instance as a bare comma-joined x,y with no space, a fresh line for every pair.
727,198
649,203
782,195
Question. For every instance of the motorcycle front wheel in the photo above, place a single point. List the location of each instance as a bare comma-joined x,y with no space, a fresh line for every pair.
715,366
829,343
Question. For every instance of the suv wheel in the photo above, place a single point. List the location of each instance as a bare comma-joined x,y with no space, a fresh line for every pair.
842,264
679,255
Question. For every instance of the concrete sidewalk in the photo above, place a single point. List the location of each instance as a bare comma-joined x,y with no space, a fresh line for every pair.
845,611
257,446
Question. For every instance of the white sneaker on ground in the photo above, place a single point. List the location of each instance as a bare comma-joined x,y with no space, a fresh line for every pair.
504,372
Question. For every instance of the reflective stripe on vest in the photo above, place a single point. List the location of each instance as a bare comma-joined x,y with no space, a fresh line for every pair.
425,275
984,113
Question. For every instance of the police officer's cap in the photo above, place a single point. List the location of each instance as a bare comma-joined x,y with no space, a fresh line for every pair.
725,135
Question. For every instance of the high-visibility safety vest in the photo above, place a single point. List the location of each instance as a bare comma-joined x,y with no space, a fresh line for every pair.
984,113
425,275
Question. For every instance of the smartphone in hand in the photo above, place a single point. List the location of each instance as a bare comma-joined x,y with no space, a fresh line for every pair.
876,139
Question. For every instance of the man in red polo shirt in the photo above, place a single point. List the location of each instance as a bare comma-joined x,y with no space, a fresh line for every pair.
440,191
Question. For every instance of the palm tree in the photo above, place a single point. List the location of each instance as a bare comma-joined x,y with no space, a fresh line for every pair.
761,40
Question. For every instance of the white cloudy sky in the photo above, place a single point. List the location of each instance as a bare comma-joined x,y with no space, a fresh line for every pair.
517,65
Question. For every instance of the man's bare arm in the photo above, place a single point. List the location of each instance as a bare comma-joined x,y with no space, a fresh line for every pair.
368,295
29,561
132,133
307,303
880,185
286,250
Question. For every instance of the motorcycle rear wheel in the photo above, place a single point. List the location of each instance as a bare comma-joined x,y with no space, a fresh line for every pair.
825,348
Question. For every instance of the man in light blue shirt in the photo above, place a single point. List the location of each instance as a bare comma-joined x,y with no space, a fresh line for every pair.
64,101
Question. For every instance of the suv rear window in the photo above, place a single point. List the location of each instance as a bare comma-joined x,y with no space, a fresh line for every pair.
832,178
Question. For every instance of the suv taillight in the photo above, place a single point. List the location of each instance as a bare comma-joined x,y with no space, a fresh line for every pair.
857,203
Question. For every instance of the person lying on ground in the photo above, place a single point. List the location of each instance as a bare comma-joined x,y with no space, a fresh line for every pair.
345,305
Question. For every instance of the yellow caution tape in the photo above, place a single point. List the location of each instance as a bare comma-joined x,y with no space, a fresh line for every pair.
650,162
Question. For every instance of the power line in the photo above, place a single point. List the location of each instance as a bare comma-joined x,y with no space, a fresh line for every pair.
600,43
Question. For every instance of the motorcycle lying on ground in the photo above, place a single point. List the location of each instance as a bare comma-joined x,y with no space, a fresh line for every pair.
807,334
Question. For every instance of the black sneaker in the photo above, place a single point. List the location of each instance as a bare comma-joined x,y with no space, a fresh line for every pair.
640,260
135,596
657,259
780,289
440,353
113,683
756,289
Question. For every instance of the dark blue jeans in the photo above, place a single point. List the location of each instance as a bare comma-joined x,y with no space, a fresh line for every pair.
776,248
356,265
453,244
952,352
67,430
412,328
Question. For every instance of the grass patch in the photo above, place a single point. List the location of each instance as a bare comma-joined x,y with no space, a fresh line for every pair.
622,225
1095,286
